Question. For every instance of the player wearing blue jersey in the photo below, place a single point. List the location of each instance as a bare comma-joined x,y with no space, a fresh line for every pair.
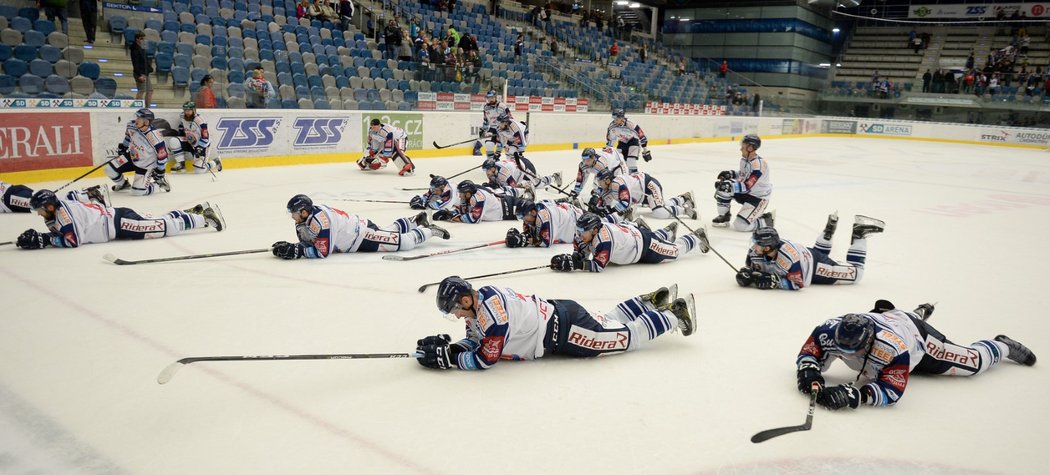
750,187
323,231
885,346
74,223
15,198
598,244
773,263
504,324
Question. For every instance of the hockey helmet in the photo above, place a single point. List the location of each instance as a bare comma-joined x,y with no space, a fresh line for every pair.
588,153
189,105
42,198
606,174
525,206
619,114
488,163
752,140
467,186
491,94
766,236
437,182
504,118
450,290
374,123
145,114
588,222
854,332
299,203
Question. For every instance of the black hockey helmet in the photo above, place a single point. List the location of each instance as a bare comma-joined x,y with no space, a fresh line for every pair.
491,94
374,122
524,206
752,140
504,118
606,174
299,203
437,182
588,222
145,114
588,153
42,198
619,114
488,163
854,332
766,236
450,290
467,186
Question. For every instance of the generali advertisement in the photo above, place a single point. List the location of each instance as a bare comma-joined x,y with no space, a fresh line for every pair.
35,141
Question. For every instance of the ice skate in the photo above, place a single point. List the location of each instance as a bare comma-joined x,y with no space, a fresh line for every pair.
662,296
123,185
768,219
685,310
162,182
178,167
721,220
864,225
218,164
213,216
687,200
98,194
196,209
556,179
438,231
672,231
691,213
641,224
831,225
408,170
421,219
701,235
1019,353
628,214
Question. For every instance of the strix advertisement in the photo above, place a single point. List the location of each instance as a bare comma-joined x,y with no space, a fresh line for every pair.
412,123
830,126
877,128
35,141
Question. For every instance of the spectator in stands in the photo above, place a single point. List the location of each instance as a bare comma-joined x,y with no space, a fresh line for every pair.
681,67
554,47
926,78
911,37
346,13
969,61
1026,41
993,85
405,50
437,60
55,8
141,69
643,53
451,5
258,89
621,27
614,51
535,15
756,103
724,68
426,69
328,10
392,34
1046,87
968,81
314,11
916,44
519,46
89,15
453,38
205,96
302,10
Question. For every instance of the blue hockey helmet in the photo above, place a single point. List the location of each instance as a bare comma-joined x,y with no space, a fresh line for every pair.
145,114
437,182
854,333
488,163
606,174
491,94
588,222
299,203
766,236
619,114
43,198
504,118
752,140
450,290
467,186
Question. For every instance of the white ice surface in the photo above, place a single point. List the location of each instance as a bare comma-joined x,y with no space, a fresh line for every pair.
82,340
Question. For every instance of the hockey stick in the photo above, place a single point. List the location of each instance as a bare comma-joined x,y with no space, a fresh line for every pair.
86,174
122,262
439,147
394,257
6,243
769,434
424,287
169,371
731,266
372,201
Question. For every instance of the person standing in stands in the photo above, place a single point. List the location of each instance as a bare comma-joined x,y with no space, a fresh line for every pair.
205,96
141,69
55,8
259,90
89,15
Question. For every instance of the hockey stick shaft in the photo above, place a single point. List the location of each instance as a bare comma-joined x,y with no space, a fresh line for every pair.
771,433
170,370
372,201
86,174
545,266
720,256
122,262
394,257
452,144
6,243
463,172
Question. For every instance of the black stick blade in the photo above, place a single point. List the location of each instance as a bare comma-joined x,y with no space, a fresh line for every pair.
771,433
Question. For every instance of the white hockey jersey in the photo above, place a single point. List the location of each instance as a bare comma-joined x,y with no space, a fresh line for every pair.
753,178
490,114
625,190
508,325
508,174
196,131
148,149
79,223
555,223
383,141
793,263
514,138
483,206
620,243
618,134
329,230
604,159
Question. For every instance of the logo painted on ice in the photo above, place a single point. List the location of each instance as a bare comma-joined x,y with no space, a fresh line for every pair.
318,131
247,133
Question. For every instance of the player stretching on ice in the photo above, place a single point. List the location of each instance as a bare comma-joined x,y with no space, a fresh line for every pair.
515,182
193,139
621,194
386,142
143,151
593,162
885,346
546,223
73,223
440,196
477,204
504,324
323,231
629,138
599,244
15,198
773,263
750,187
487,133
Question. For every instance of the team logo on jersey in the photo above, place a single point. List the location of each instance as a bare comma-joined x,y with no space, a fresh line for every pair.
496,309
603,341
247,133
142,226
837,272
896,376
491,348
312,132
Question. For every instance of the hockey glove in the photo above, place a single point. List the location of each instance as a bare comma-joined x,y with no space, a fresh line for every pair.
726,175
567,262
724,186
744,277
924,311
516,239
417,203
496,154
122,149
767,281
443,215
435,351
182,131
808,374
31,239
199,151
483,133
646,155
287,250
838,397
882,306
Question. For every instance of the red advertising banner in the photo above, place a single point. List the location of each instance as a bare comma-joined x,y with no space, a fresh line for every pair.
35,141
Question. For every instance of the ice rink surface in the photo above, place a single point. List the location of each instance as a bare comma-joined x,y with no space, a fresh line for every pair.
83,340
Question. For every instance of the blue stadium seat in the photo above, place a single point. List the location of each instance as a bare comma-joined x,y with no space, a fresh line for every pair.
218,62
50,53
89,70
31,84
5,52
107,87
22,24
289,104
180,76
196,74
320,103
15,67
57,85
204,40
236,64
164,63
236,89
40,67
8,84
44,27
235,76
25,52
